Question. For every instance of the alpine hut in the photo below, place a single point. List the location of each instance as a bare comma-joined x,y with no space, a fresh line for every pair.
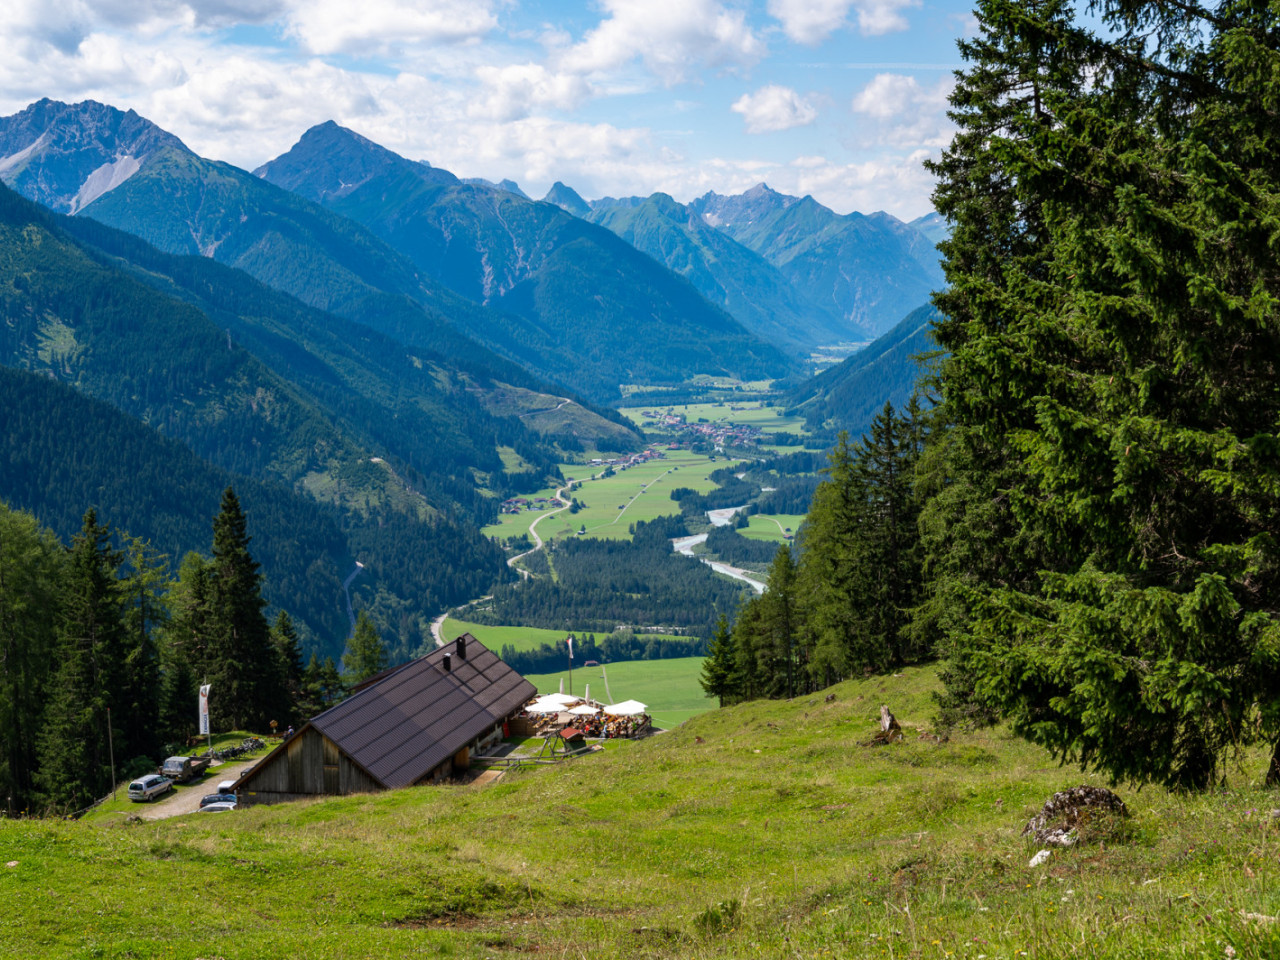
410,725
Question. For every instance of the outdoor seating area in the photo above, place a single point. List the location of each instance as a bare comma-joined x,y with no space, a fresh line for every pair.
550,714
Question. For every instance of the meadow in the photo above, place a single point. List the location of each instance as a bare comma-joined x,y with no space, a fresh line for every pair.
612,504
768,829
519,638
752,413
669,688
775,526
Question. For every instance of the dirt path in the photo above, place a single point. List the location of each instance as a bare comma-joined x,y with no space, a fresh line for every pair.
178,802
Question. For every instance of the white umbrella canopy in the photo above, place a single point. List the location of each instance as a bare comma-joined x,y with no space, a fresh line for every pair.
542,706
584,710
562,699
627,708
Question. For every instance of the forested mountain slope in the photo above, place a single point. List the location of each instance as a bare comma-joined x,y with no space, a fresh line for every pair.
724,271
77,314
849,395
183,204
870,269
592,310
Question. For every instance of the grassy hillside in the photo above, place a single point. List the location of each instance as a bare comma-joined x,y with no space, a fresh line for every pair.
820,847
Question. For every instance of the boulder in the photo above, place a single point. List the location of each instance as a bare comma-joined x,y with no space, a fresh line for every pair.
1059,821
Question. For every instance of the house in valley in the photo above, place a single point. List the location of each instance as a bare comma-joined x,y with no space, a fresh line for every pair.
409,725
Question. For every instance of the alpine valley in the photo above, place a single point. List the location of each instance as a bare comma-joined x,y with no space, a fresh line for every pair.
380,354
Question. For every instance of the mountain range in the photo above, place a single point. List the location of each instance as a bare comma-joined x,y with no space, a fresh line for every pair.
791,270
352,332
591,310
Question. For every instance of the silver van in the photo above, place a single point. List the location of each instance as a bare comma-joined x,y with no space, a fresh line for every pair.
148,788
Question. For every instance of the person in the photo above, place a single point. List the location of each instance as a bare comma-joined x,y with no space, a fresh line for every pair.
289,733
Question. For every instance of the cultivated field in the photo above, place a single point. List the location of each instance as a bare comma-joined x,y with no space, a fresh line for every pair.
767,830
669,688
519,638
751,413
613,503
772,526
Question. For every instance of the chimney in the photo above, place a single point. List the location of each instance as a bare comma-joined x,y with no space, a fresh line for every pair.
448,663
462,648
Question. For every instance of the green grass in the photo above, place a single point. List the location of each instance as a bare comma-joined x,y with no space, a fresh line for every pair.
519,638
669,688
642,492
828,849
770,419
772,526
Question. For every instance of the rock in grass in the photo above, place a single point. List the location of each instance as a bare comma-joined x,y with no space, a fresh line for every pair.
1059,821
1040,858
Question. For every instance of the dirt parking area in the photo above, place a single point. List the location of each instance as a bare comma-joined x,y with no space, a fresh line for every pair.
178,802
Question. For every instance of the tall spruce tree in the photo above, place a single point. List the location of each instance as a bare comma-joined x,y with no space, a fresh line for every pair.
31,571
241,659
1114,338
718,668
860,562
366,653
75,744
288,667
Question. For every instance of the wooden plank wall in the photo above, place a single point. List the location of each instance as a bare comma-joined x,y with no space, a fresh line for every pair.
310,765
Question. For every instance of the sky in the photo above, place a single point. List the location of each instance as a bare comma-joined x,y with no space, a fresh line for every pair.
839,99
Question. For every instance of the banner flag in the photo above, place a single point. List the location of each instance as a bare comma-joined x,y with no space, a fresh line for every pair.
204,708
570,648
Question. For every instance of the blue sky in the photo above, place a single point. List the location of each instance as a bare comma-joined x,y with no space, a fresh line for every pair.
841,99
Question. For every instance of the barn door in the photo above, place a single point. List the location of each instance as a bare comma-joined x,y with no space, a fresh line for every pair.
330,766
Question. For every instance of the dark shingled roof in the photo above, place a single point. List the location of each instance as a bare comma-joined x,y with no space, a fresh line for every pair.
402,726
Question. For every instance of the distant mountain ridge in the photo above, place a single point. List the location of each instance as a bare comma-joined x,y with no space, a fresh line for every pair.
184,204
725,272
870,269
593,311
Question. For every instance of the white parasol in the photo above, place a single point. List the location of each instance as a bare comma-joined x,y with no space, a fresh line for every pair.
560,699
583,710
542,706
627,708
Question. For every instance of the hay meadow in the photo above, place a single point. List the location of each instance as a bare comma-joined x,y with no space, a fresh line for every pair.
764,830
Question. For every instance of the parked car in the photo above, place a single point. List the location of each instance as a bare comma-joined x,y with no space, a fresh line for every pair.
149,787
217,798
220,807
225,786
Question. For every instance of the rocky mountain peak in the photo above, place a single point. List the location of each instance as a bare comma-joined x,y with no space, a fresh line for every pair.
567,199
66,155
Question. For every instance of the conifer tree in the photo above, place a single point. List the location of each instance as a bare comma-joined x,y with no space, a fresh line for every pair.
74,741
366,653
184,647
718,668
288,664
31,570
241,657
137,689
1113,337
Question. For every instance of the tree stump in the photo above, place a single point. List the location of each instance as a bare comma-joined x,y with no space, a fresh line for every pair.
889,728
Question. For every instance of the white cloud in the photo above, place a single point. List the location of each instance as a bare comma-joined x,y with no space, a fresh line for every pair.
386,26
671,40
812,21
774,108
901,112
516,90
